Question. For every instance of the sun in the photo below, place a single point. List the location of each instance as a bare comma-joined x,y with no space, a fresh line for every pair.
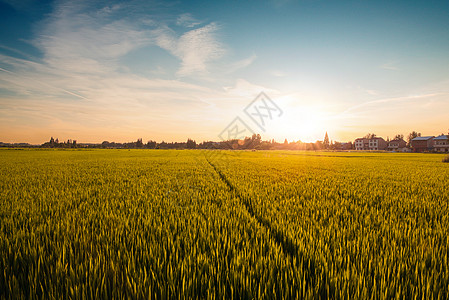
304,123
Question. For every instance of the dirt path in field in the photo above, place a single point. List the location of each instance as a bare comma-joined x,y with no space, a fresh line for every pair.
288,246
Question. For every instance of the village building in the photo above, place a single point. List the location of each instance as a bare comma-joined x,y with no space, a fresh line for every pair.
397,145
441,143
422,143
372,144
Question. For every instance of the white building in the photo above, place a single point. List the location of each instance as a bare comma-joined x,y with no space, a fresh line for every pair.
373,144
441,143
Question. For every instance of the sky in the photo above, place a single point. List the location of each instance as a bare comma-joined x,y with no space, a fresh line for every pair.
170,70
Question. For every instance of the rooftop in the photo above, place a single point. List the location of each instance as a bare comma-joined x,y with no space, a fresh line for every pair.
374,138
397,140
422,138
442,137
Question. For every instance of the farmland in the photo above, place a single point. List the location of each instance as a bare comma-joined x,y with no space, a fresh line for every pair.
187,224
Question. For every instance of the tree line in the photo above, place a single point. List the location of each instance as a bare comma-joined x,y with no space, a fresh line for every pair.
254,142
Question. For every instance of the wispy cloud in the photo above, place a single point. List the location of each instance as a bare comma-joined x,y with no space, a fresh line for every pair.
372,92
240,64
187,20
195,48
85,41
388,101
33,84
277,73
389,66
243,88
16,51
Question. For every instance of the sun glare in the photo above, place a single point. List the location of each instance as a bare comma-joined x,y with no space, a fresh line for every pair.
306,124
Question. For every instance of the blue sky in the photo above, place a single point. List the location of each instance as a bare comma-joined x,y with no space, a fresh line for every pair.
112,70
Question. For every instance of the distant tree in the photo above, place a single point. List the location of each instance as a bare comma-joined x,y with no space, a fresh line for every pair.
285,142
399,137
326,141
256,139
370,136
191,144
139,143
411,136
151,144
251,143
337,146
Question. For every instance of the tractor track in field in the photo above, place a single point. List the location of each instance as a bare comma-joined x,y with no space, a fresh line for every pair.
287,245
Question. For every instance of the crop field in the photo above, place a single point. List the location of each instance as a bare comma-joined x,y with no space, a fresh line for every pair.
182,224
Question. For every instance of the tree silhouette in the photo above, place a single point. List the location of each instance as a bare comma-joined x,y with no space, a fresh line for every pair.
399,137
190,144
370,136
326,141
139,143
411,136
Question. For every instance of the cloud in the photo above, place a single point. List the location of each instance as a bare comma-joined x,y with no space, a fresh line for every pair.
108,10
33,84
240,64
385,104
187,20
16,52
278,73
77,39
195,48
80,38
243,88
372,92
389,66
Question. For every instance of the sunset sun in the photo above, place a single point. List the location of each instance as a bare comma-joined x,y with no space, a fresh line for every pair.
305,123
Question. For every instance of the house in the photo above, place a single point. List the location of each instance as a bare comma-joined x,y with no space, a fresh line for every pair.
376,143
422,143
397,145
359,144
441,143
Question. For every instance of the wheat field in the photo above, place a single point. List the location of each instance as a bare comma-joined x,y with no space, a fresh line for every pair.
180,224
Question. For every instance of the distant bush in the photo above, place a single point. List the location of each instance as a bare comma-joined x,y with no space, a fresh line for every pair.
446,159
